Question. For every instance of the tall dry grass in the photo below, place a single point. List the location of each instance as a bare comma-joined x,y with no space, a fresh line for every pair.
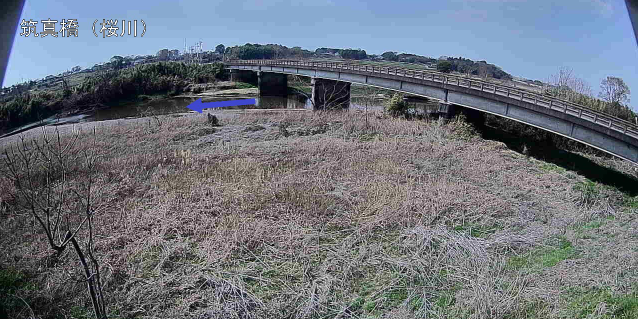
317,215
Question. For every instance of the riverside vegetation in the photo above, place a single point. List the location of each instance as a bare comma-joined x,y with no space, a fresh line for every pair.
105,87
328,215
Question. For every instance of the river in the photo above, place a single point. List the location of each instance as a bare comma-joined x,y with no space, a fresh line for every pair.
178,105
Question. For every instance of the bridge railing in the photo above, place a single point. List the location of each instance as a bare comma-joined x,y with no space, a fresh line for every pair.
614,123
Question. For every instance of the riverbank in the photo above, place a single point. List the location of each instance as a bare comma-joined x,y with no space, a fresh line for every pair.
141,105
220,89
107,87
331,214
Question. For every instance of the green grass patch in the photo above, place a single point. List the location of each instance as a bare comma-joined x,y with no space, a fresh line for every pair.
550,167
594,224
590,192
476,230
544,257
395,297
583,303
444,301
300,90
12,281
243,85
631,202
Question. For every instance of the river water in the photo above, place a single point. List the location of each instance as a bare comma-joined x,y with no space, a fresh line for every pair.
178,105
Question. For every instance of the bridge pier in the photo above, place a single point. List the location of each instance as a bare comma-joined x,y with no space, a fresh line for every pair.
475,117
330,94
447,110
272,84
245,76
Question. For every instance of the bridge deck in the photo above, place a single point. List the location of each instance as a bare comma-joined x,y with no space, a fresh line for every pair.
458,89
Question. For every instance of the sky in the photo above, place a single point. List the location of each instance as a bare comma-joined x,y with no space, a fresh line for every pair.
530,39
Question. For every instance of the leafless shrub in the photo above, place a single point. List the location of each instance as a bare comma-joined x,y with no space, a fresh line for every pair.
44,174
149,112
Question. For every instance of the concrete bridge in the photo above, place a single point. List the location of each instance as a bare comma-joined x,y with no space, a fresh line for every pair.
331,86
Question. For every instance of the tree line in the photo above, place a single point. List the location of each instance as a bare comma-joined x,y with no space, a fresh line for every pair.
613,98
108,86
255,51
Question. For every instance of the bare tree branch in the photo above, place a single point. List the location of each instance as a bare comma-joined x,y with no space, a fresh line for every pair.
44,174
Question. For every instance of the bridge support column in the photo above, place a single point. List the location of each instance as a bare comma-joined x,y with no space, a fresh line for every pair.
475,117
330,94
447,110
272,84
245,76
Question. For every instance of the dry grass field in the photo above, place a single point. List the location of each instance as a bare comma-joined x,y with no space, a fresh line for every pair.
320,215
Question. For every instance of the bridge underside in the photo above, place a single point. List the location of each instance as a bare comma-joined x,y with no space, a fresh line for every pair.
562,122
330,94
244,76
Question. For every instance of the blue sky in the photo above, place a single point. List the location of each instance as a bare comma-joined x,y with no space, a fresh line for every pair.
531,39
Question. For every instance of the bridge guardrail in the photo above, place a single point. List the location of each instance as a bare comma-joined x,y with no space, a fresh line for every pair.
617,124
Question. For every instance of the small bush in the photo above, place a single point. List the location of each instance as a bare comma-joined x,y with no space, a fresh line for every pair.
397,106
243,85
462,128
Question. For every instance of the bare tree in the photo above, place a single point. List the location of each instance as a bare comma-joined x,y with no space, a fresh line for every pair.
580,86
566,85
300,85
333,96
614,90
150,113
330,96
53,179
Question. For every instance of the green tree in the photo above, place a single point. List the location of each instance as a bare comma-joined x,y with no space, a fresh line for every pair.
444,66
390,56
357,54
117,62
220,48
614,90
297,51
